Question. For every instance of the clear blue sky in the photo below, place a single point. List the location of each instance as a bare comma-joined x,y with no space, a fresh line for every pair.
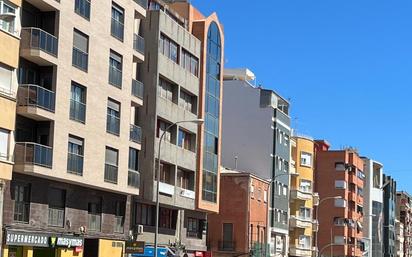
345,65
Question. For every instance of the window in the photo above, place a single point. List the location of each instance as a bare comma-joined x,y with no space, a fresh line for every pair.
306,159
339,221
80,50
57,204
185,179
94,215
340,184
117,27
133,178
305,213
340,166
265,196
341,203
259,195
187,102
285,190
186,140
119,217
111,165
8,23
339,240
193,228
304,242
190,62
78,103
21,202
4,144
113,117
82,8
115,69
286,166
252,191
166,90
6,75
169,48
280,137
305,186
168,218
165,173
145,214
75,155
161,128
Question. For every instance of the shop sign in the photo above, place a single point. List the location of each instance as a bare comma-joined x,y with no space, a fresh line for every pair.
67,241
78,249
135,247
27,239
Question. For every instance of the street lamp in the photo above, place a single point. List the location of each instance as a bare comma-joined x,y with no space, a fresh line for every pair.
317,215
197,121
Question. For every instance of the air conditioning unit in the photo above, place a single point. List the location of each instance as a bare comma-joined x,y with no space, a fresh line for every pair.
140,229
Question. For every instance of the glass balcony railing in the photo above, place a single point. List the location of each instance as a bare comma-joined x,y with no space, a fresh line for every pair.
32,153
142,3
135,134
75,164
137,88
113,124
115,77
77,111
133,178
117,29
80,59
138,43
34,95
39,39
110,173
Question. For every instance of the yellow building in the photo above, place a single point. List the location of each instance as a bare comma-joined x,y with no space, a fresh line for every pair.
302,198
9,57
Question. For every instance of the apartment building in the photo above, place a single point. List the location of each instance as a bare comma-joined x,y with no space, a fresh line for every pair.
256,138
389,214
9,57
182,78
303,199
400,239
373,207
240,227
404,215
77,132
339,180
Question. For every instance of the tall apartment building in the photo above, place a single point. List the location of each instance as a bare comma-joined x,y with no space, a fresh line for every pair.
339,173
256,138
400,239
240,227
9,57
389,214
404,215
373,207
302,224
182,78
77,134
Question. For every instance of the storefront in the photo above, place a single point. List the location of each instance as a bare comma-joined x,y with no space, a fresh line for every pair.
31,244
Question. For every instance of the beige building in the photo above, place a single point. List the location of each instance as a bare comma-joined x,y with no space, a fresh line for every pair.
78,133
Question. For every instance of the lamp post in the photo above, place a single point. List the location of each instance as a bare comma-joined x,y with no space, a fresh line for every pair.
317,216
197,121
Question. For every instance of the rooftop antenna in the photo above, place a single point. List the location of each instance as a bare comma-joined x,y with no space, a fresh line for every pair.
236,162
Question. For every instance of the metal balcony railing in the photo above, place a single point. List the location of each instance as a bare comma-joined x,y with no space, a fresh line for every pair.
80,59
133,178
33,153
115,76
137,88
75,163
110,173
117,29
34,95
135,134
39,39
94,222
56,217
119,224
77,111
138,43
142,3
227,245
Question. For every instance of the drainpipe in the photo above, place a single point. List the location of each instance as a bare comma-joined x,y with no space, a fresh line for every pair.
2,184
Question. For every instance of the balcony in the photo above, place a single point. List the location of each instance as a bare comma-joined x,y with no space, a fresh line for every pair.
75,164
137,89
135,134
186,193
142,5
45,5
80,59
300,251
165,188
316,199
113,125
77,111
138,46
300,222
117,29
115,77
29,154
110,173
38,46
315,226
133,178
35,102
298,194
227,246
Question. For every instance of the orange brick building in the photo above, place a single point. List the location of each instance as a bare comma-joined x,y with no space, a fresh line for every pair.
241,225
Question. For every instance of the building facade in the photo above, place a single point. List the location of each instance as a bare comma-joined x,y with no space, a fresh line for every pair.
9,57
184,53
389,214
240,227
77,133
373,207
302,224
400,240
404,215
340,179
256,137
